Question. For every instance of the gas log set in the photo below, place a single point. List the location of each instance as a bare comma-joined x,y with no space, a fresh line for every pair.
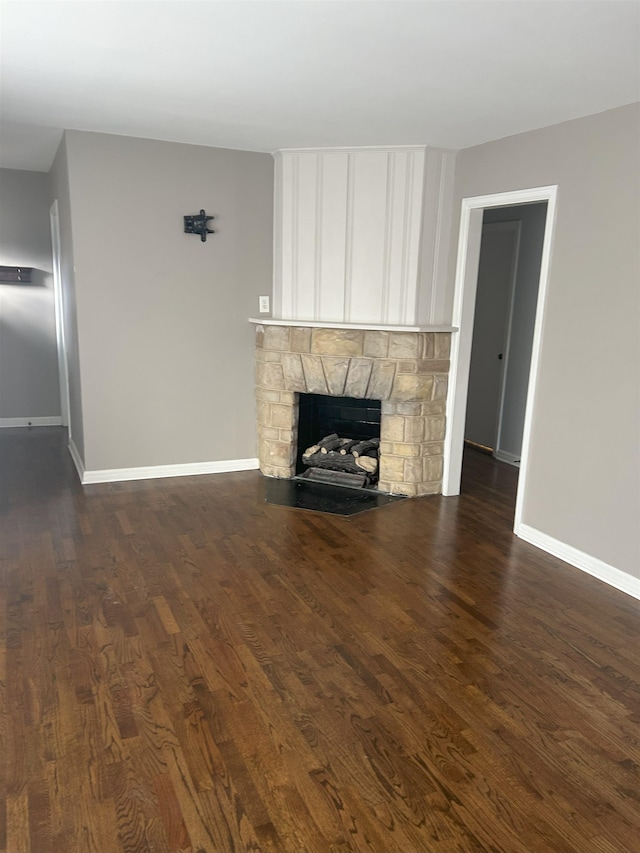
343,461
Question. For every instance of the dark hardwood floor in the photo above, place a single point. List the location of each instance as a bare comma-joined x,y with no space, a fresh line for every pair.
187,668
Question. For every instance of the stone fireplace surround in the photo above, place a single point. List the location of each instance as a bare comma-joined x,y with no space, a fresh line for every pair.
407,370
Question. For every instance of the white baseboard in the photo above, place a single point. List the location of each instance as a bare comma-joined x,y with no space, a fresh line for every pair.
54,420
509,458
77,461
585,562
188,469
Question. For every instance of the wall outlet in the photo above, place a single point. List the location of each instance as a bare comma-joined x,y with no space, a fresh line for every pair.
264,304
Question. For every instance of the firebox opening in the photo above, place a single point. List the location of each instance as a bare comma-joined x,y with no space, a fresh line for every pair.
347,417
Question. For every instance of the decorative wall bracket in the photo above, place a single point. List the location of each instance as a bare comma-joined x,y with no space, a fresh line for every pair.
197,224
16,274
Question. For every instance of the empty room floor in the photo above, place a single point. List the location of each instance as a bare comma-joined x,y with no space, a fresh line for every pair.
186,667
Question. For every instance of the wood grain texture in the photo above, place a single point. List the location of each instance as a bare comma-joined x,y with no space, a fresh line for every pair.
186,668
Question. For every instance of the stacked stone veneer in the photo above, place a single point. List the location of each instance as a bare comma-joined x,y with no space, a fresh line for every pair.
406,371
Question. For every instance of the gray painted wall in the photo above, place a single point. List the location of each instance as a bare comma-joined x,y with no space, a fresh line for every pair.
28,356
166,354
583,485
532,218
60,190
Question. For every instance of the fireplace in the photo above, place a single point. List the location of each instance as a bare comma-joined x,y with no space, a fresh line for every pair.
406,370
344,425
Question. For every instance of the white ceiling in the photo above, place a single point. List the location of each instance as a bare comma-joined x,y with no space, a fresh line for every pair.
266,75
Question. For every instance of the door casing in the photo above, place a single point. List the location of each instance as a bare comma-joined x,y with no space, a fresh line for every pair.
58,298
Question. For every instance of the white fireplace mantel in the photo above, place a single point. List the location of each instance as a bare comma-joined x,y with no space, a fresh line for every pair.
371,327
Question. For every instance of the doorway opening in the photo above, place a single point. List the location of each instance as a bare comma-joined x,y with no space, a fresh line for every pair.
474,212
504,319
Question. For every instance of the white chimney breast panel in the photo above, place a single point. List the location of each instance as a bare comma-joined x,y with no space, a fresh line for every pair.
436,233
349,234
306,234
396,215
332,241
285,236
367,205
404,212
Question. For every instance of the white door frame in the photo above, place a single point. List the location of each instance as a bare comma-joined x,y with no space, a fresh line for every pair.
463,314
58,300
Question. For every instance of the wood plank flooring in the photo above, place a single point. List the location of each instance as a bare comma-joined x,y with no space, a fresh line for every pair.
186,668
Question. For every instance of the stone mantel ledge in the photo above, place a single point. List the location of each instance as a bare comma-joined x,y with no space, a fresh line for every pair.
326,324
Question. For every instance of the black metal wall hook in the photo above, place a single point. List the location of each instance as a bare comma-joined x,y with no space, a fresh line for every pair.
197,224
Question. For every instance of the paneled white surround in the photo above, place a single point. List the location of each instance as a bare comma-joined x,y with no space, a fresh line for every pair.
362,234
